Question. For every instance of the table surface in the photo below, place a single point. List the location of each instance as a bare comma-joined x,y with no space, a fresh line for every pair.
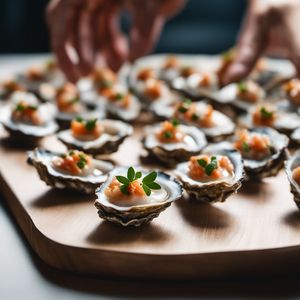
23,274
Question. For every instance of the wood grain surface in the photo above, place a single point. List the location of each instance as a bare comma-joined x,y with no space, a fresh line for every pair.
256,231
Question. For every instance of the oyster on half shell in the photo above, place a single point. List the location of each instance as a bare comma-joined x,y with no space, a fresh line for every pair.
20,126
263,150
132,210
213,123
171,142
86,183
209,187
112,134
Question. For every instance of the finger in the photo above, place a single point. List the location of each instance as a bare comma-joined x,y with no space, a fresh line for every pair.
251,44
116,49
59,36
144,34
110,44
82,41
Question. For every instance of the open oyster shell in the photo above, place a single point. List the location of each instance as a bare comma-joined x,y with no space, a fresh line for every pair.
141,211
228,94
224,126
292,163
173,153
27,132
271,165
41,160
217,190
285,122
114,134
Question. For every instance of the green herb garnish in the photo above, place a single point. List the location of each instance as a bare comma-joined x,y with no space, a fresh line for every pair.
82,161
175,123
74,99
208,168
107,84
148,182
119,96
195,117
91,124
246,147
242,86
79,119
266,114
32,107
20,107
168,135
184,105
71,152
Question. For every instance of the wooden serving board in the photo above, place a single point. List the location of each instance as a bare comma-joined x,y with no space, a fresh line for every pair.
256,232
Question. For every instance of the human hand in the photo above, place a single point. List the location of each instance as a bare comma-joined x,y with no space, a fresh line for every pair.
271,27
86,32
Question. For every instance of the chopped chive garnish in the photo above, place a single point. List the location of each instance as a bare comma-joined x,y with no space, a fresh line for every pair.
175,123
90,124
246,147
242,86
168,135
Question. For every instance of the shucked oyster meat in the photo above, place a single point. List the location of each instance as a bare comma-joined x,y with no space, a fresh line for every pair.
95,136
72,170
172,142
213,175
135,197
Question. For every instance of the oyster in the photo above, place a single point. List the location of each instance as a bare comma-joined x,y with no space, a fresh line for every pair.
292,171
269,115
242,95
95,136
81,172
213,123
37,75
8,87
263,150
137,198
26,119
198,85
172,142
212,176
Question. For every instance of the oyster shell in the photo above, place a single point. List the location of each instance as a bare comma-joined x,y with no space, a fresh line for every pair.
35,76
138,211
214,190
292,163
42,160
26,131
174,152
192,87
229,94
114,133
271,164
223,125
284,121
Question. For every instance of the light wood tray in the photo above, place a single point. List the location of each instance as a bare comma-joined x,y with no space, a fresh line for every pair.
256,232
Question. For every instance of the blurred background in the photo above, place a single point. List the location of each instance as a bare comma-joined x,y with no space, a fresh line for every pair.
206,26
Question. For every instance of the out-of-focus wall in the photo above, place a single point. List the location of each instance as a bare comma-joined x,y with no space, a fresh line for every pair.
204,26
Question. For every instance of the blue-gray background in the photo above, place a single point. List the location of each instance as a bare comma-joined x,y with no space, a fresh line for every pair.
204,26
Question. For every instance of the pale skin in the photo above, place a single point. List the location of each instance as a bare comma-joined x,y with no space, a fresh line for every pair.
91,28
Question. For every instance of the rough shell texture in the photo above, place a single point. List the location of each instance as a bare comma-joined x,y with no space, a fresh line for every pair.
270,166
290,165
213,191
173,153
136,215
41,160
114,134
